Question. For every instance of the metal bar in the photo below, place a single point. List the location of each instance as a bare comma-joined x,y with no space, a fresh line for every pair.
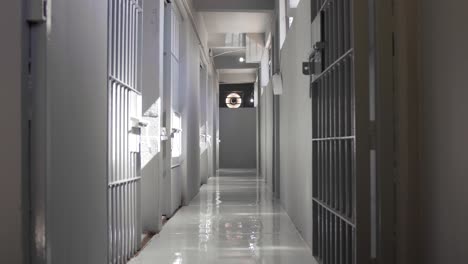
324,5
347,23
326,71
339,15
119,41
314,169
320,171
132,44
113,61
125,40
328,34
126,168
332,31
347,220
125,85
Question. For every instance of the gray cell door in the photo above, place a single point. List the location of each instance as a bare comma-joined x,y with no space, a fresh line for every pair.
340,127
124,117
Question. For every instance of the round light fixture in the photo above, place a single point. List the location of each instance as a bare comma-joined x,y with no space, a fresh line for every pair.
241,59
233,100
251,100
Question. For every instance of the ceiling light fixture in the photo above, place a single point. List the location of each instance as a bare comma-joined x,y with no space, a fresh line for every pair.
241,59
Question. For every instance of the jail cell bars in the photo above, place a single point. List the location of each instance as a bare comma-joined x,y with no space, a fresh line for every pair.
124,169
333,138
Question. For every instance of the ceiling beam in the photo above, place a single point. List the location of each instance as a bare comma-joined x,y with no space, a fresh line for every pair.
234,5
232,62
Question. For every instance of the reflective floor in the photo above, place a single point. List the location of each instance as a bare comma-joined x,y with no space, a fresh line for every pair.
233,220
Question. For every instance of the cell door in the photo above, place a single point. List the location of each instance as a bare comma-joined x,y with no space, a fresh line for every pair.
125,113
340,132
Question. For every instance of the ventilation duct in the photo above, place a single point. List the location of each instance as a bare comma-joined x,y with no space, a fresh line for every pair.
235,40
255,44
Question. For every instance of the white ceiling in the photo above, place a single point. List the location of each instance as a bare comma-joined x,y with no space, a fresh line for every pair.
237,71
236,52
236,22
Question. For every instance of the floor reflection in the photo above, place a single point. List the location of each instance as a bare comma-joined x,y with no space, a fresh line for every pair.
234,219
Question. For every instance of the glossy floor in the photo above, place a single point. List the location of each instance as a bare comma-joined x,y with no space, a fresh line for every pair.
234,220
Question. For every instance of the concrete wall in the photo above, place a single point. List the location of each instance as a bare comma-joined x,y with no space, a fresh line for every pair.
237,132
444,181
296,125
11,201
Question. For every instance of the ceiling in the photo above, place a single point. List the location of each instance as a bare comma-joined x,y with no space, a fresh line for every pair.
237,71
226,56
237,22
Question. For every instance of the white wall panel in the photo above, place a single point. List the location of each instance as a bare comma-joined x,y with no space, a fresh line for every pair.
296,128
152,83
190,107
76,124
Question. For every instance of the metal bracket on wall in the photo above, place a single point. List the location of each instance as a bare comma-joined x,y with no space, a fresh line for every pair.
37,11
307,69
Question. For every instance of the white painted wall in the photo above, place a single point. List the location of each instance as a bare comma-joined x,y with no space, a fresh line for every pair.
266,128
11,200
444,181
237,78
194,49
190,64
76,113
296,125
203,125
152,83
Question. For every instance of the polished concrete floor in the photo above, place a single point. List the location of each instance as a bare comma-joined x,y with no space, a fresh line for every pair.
234,220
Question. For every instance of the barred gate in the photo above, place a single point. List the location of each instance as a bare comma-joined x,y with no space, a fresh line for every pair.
125,110
339,181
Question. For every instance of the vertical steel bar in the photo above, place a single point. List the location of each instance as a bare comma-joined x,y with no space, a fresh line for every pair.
118,74
125,138
333,127
329,143
340,34
127,42
109,168
121,170
332,30
348,23
135,39
131,38
326,38
113,173
114,36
